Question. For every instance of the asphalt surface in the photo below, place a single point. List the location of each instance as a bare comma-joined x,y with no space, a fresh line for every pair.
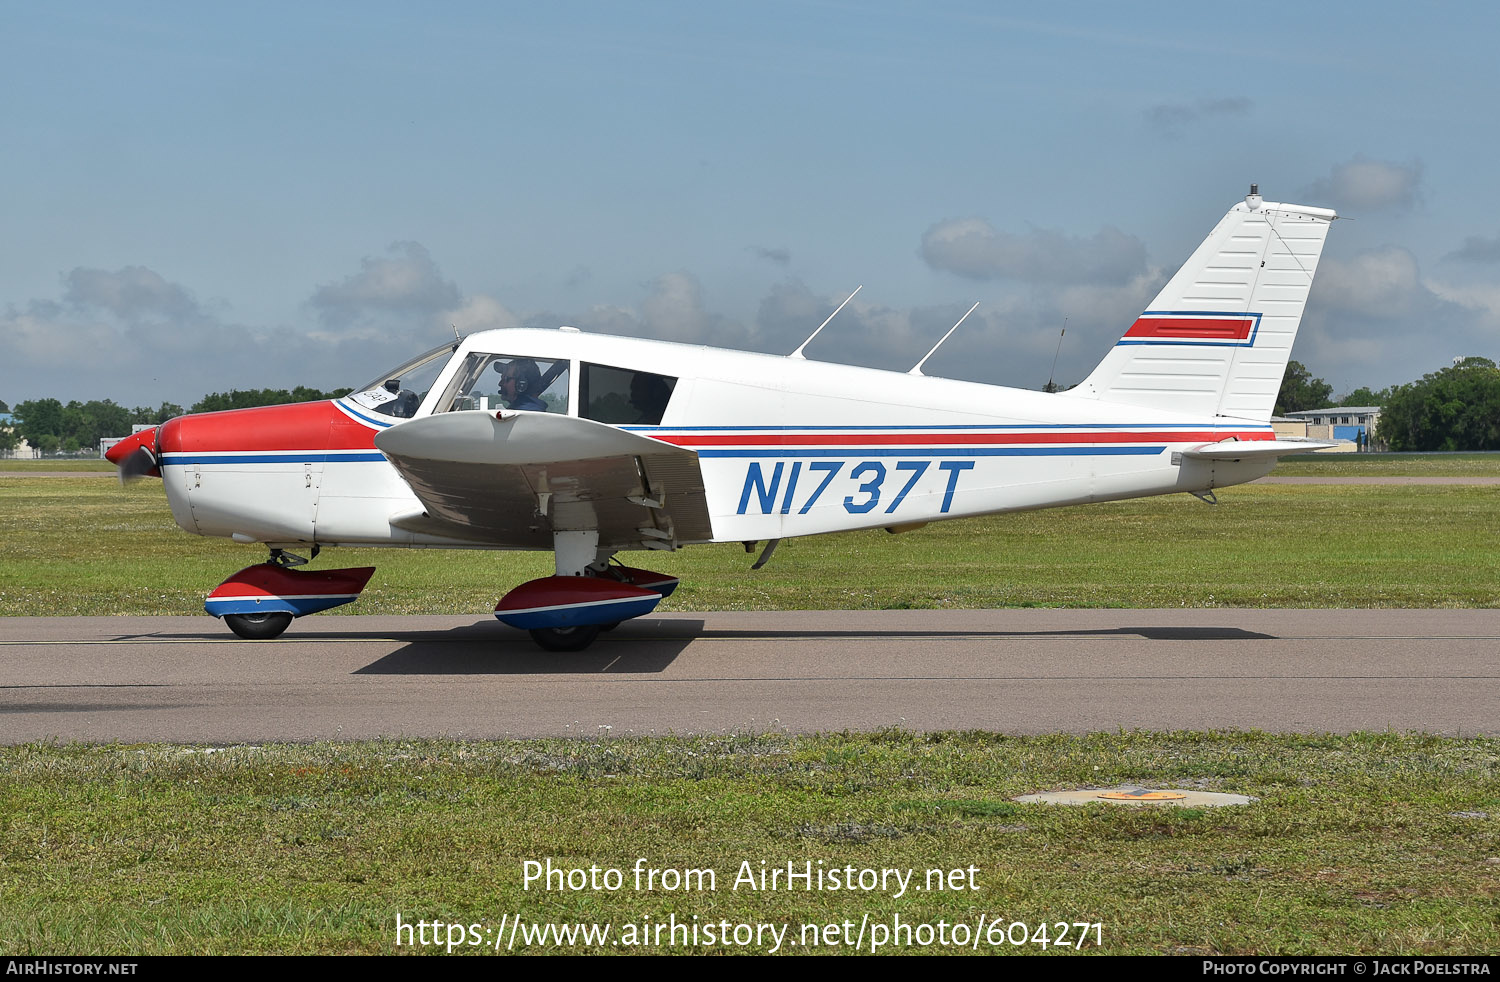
186,679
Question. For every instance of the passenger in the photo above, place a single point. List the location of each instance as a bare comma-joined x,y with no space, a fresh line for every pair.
519,381
649,395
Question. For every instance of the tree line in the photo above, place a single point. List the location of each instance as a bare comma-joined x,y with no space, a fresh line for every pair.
1299,391
1454,408
51,425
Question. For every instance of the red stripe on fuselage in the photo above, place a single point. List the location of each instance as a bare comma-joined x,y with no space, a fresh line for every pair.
855,440
299,426
1193,328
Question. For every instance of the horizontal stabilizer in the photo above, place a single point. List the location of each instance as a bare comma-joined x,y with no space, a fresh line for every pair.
1255,449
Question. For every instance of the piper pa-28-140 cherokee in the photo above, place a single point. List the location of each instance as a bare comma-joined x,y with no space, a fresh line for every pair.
601,444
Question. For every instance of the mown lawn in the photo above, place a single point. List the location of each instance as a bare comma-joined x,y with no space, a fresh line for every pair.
88,546
1355,844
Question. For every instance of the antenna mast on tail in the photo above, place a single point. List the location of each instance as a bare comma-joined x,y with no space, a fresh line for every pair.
1051,385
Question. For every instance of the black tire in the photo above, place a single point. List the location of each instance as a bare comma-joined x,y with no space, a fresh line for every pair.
258,627
566,638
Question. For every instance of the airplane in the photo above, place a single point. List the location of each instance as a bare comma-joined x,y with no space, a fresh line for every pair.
590,445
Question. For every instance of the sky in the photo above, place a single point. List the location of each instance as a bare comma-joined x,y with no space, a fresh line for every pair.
198,197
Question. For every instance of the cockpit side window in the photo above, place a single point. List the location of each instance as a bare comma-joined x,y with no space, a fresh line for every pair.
490,381
620,395
400,391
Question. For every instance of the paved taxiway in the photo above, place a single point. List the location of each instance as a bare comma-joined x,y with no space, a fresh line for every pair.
186,679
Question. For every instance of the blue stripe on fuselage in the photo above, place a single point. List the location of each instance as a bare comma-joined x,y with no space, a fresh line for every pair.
852,452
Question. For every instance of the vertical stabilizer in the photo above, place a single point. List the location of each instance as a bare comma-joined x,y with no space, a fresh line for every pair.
1216,340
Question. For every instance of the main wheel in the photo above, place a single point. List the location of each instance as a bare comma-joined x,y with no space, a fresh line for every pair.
566,638
258,627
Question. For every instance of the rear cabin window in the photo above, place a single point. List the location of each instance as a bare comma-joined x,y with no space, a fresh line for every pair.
619,395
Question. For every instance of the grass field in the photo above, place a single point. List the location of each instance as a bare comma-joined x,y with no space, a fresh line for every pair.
1390,465
88,546
91,464
1359,844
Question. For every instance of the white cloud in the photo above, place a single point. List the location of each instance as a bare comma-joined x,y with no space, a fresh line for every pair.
130,293
1376,320
1171,118
1365,185
133,336
972,248
1477,249
1382,283
1482,299
43,338
481,313
405,284
673,310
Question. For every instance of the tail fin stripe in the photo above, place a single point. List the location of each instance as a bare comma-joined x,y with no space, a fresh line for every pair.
1196,327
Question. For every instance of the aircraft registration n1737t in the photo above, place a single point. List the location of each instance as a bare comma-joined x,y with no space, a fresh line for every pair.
590,445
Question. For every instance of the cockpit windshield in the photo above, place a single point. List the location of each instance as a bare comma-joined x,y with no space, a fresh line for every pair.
401,390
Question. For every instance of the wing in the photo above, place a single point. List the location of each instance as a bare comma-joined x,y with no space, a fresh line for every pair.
514,478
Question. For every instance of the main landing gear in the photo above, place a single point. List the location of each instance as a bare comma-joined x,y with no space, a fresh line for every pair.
589,595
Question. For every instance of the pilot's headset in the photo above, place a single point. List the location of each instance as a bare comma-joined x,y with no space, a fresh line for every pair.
528,376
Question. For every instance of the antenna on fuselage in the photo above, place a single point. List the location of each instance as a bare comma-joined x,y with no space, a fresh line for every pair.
798,352
1051,386
917,368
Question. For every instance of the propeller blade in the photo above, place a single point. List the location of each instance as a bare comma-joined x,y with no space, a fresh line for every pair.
139,464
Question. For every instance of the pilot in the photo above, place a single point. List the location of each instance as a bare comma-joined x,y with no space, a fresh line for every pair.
520,381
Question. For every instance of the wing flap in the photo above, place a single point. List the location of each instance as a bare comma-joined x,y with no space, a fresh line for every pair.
516,477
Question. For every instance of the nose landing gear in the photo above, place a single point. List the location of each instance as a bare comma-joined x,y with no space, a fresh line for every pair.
258,627
260,601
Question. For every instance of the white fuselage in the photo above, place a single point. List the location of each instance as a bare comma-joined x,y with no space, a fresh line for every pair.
787,447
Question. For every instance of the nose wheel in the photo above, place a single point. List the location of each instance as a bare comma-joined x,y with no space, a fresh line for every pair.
258,627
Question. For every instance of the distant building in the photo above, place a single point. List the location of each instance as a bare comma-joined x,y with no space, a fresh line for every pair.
1356,424
23,450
